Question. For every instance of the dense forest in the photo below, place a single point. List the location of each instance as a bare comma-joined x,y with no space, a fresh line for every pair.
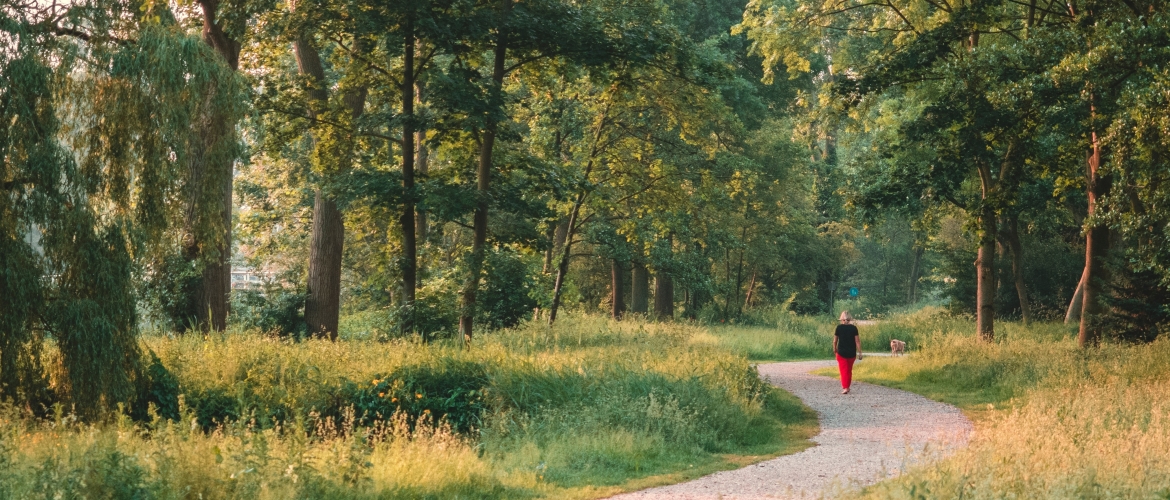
435,170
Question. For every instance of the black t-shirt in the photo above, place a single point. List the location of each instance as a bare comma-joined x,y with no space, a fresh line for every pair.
846,345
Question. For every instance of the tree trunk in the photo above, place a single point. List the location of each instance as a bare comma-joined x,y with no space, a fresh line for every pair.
550,234
1012,235
739,274
663,296
323,301
640,289
409,243
985,262
912,293
727,272
212,301
985,270
1096,275
566,249
1073,315
323,293
323,297
617,303
664,290
421,165
558,241
572,225
747,302
483,185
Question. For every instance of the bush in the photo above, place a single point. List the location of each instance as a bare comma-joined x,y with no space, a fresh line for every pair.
169,290
508,290
159,388
450,391
274,310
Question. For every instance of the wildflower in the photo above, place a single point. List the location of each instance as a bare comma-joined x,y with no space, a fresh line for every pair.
393,400
381,394
418,396
374,382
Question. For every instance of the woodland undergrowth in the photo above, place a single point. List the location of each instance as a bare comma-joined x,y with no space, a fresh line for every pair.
585,409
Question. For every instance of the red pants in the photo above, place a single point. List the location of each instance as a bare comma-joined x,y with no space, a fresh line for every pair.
845,365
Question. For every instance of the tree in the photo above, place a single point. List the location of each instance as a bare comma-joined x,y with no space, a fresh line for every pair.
98,105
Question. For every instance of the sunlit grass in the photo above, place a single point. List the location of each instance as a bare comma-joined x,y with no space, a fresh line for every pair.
791,337
585,409
1053,420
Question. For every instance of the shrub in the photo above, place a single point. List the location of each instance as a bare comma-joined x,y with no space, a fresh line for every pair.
159,388
274,310
450,391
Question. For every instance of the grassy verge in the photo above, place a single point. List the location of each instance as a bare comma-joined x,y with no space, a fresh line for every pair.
585,409
1053,421
786,336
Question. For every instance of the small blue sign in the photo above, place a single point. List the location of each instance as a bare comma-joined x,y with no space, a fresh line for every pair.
853,291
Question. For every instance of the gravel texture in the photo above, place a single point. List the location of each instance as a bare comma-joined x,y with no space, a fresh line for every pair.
868,435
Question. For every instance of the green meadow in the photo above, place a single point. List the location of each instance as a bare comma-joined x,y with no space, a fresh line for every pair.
585,409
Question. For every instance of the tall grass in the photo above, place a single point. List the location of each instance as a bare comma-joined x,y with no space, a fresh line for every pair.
585,409
779,335
1054,421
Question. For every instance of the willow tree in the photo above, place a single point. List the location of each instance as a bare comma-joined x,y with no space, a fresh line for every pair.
97,108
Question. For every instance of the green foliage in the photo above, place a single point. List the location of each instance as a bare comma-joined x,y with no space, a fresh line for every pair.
507,296
95,147
452,391
158,392
170,290
590,407
274,310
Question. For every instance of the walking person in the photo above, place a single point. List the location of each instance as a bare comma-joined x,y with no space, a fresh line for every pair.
847,348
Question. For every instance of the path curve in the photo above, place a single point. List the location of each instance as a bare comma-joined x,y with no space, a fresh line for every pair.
868,435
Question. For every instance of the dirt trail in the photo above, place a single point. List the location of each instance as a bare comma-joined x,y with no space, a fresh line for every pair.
868,435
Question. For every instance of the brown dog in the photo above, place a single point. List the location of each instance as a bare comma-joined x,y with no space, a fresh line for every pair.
897,347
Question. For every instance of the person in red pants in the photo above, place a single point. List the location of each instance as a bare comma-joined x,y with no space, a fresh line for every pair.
847,348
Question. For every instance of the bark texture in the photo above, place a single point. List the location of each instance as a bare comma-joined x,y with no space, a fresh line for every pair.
326,242
663,296
323,301
422,163
212,300
985,276
640,289
617,302
985,262
407,219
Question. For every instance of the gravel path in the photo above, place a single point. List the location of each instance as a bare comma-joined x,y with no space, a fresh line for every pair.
866,436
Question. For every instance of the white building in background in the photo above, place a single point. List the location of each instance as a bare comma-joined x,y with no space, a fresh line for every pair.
246,278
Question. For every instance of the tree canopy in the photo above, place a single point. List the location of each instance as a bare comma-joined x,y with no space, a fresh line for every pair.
429,170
